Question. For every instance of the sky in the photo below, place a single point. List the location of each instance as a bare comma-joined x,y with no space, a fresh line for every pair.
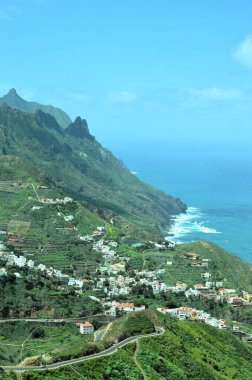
139,71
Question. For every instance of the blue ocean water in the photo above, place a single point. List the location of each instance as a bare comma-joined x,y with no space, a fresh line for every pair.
216,185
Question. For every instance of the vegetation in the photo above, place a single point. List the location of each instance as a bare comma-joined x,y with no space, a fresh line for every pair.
50,342
134,323
104,193
225,267
14,100
38,296
83,169
185,351
119,366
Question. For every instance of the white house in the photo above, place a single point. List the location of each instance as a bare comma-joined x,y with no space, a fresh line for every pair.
101,229
86,328
30,264
41,267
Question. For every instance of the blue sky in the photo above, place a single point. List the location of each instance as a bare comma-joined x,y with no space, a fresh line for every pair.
138,70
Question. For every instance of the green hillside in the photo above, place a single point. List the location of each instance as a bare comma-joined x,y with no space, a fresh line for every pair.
78,165
15,101
187,350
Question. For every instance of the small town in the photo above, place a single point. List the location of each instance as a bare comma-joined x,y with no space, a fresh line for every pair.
113,280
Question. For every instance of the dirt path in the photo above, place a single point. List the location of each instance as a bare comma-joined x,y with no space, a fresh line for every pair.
137,362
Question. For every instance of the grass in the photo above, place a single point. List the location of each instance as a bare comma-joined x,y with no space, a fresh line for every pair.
134,323
186,351
56,342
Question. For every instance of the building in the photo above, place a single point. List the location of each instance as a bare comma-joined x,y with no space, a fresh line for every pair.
86,328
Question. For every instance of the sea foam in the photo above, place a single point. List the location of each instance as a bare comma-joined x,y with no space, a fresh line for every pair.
186,225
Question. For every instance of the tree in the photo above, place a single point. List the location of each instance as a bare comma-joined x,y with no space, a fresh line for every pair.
38,333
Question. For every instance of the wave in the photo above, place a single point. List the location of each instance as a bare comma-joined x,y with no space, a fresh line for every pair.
185,225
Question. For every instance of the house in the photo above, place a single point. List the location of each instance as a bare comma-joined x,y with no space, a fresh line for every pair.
222,324
36,208
78,283
247,296
3,272
155,288
206,275
139,308
58,273
192,255
127,306
212,321
67,200
41,267
111,312
86,328
192,293
182,315
181,287
196,264
204,264
198,286
209,284
68,218
235,300
64,278
172,312
230,291
30,264
71,281
101,229
236,327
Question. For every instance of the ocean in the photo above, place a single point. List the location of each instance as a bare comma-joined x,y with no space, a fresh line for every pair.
215,183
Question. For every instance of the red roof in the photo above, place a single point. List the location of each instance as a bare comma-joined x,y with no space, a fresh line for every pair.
126,304
86,324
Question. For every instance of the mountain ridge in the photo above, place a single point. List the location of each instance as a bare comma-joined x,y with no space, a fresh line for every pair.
15,101
78,164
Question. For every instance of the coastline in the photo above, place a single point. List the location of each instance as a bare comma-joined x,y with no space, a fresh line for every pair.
185,226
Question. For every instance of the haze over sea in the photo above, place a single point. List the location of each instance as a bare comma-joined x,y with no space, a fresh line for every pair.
215,183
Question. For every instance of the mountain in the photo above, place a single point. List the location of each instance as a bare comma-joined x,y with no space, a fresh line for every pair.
76,163
15,101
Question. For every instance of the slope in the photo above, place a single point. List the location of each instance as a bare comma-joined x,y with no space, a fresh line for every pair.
82,168
187,350
15,101
37,227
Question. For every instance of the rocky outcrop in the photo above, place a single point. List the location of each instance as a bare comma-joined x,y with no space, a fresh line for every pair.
79,129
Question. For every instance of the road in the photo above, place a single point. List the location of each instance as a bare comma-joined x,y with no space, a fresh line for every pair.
98,335
51,320
109,351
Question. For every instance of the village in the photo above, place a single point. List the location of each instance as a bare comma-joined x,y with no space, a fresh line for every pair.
114,284
112,280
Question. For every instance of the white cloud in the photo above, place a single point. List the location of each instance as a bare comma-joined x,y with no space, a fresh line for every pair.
243,52
213,93
122,96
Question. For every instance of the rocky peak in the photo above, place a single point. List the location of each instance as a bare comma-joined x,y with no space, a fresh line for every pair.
79,129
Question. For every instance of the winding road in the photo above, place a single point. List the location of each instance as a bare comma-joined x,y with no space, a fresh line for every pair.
108,351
